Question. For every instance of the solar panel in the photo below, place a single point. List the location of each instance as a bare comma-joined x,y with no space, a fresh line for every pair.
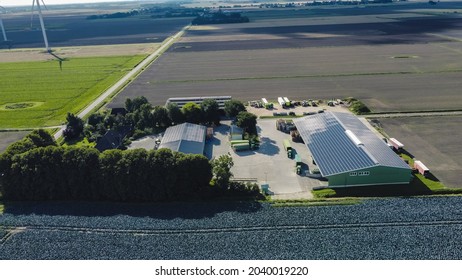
340,142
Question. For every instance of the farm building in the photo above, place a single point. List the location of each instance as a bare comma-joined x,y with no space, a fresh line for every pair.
348,154
187,138
181,101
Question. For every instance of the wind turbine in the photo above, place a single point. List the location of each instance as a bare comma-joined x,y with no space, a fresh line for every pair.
42,24
3,27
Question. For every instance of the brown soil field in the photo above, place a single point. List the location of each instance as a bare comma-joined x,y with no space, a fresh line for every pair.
7,138
433,140
393,59
75,30
382,93
19,55
295,62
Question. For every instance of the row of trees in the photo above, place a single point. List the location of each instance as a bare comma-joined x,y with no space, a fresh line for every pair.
145,119
35,168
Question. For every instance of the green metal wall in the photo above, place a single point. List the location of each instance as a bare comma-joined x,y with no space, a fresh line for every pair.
379,175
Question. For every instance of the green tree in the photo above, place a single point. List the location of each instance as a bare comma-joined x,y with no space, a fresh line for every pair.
160,117
233,107
211,111
221,169
192,113
135,104
74,127
247,121
174,113
41,138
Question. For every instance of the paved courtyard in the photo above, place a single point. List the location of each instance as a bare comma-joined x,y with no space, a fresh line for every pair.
269,164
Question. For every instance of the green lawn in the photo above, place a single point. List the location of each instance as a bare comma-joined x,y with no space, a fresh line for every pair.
34,94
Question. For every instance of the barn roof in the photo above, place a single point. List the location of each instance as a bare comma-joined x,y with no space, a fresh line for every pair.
187,138
340,142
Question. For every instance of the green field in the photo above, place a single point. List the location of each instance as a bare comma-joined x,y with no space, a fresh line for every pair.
35,94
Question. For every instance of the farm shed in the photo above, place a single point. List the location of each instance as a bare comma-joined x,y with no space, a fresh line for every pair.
348,154
181,101
187,138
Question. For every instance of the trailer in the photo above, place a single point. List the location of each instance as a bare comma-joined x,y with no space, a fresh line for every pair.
281,102
398,146
421,168
287,102
288,148
266,104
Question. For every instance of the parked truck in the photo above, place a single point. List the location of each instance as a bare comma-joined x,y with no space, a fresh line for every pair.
421,168
282,102
298,164
287,102
288,148
266,104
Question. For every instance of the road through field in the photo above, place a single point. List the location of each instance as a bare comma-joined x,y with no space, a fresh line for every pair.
138,69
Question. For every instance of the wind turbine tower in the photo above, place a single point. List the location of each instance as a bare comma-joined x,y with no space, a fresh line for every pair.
42,24
3,27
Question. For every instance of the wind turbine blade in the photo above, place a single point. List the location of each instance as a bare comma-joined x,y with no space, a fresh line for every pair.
32,13
3,30
46,8
42,24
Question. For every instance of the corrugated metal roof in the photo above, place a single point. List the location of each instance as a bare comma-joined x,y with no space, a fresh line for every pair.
340,142
187,138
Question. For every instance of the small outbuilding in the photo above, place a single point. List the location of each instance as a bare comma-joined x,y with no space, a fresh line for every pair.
348,153
186,138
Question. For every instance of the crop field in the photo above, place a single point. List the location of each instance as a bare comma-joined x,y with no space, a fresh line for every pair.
394,59
411,228
76,30
7,137
433,140
35,94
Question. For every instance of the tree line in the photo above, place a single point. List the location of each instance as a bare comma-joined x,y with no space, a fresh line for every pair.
145,119
35,168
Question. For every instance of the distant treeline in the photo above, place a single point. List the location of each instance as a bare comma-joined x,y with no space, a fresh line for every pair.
219,18
155,12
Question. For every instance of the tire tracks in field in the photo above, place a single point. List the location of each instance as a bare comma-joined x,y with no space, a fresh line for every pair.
147,232
305,76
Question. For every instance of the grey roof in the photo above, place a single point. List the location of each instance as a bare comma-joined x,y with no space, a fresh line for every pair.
340,142
187,138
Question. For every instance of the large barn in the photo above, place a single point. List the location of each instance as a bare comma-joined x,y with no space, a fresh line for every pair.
348,153
187,138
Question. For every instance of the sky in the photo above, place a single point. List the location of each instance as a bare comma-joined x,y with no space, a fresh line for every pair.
50,2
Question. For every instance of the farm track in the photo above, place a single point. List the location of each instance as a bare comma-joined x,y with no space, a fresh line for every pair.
15,230
126,79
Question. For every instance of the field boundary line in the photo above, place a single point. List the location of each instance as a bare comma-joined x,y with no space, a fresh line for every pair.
115,89
413,114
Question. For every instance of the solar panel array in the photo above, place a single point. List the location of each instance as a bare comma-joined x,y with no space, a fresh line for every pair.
334,151
186,138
